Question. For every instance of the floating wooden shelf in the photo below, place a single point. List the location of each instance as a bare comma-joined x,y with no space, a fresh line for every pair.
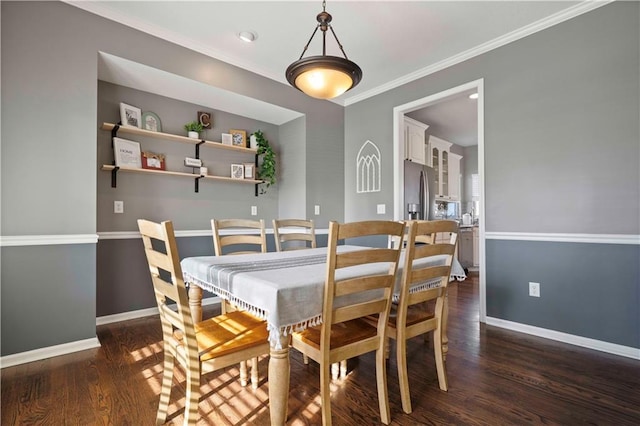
177,138
108,168
197,143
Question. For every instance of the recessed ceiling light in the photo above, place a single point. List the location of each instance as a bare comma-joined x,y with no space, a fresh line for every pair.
247,36
473,96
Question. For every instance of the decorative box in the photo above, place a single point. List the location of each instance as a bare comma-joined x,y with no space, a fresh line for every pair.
151,160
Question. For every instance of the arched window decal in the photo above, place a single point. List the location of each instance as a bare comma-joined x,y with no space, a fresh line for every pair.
368,168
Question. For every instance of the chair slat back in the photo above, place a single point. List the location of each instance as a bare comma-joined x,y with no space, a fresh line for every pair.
294,234
236,243
168,284
364,278
417,270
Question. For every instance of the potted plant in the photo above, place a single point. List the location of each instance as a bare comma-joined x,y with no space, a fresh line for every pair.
194,128
267,168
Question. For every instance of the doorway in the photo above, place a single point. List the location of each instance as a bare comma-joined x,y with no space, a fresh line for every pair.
398,166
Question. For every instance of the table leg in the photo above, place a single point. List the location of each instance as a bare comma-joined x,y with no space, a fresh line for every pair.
195,302
279,371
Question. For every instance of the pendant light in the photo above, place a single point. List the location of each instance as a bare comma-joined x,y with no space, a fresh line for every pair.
324,77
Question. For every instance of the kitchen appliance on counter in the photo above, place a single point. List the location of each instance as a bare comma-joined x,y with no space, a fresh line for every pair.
419,191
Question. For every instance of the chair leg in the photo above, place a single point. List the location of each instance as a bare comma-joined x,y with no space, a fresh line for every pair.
343,368
254,373
305,359
403,375
381,379
439,355
325,393
243,373
165,392
192,396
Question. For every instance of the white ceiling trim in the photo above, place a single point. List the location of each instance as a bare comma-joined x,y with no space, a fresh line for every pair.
564,15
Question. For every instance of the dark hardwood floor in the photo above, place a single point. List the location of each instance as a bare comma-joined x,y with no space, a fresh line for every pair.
496,377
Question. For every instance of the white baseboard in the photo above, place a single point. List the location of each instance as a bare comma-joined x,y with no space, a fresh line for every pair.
584,342
141,313
48,352
81,345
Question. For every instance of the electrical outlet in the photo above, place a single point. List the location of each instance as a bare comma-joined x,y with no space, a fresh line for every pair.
534,289
254,210
381,208
317,209
118,206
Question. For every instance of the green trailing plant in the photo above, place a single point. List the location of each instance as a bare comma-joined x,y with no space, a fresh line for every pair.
194,126
267,168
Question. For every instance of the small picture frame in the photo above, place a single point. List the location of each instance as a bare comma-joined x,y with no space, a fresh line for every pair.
151,122
130,116
227,139
239,137
127,153
151,160
206,119
237,171
249,170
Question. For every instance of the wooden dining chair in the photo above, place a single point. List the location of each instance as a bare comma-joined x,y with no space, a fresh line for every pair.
249,237
423,282
248,233
294,234
344,332
202,347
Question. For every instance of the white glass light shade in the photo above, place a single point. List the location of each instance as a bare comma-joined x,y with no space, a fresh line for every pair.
323,83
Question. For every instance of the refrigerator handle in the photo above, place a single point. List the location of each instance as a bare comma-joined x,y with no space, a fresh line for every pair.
424,195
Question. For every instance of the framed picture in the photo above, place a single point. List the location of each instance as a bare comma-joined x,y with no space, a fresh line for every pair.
150,121
237,171
127,153
227,139
130,116
151,160
239,137
205,119
249,170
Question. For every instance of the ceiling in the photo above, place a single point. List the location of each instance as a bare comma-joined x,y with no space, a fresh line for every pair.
394,42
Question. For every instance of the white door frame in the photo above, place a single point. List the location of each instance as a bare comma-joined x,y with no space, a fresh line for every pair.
398,166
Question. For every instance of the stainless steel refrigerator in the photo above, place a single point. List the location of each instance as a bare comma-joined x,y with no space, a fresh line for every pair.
419,191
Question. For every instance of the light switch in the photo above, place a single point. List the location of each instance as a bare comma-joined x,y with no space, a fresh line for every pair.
254,210
382,208
118,206
317,209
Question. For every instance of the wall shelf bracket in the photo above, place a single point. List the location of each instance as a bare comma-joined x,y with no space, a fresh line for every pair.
198,150
198,183
114,177
114,131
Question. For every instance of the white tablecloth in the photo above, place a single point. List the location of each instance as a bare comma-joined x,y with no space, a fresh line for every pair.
284,288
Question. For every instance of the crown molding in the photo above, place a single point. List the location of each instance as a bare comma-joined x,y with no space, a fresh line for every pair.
557,18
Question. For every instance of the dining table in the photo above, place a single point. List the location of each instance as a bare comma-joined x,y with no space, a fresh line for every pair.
286,289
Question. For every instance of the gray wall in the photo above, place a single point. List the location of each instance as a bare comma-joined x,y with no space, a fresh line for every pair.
163,197
469,167
49,68
561,150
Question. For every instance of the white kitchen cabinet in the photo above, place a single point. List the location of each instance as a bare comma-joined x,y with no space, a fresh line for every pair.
439,160
414,141
454,176
476,247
